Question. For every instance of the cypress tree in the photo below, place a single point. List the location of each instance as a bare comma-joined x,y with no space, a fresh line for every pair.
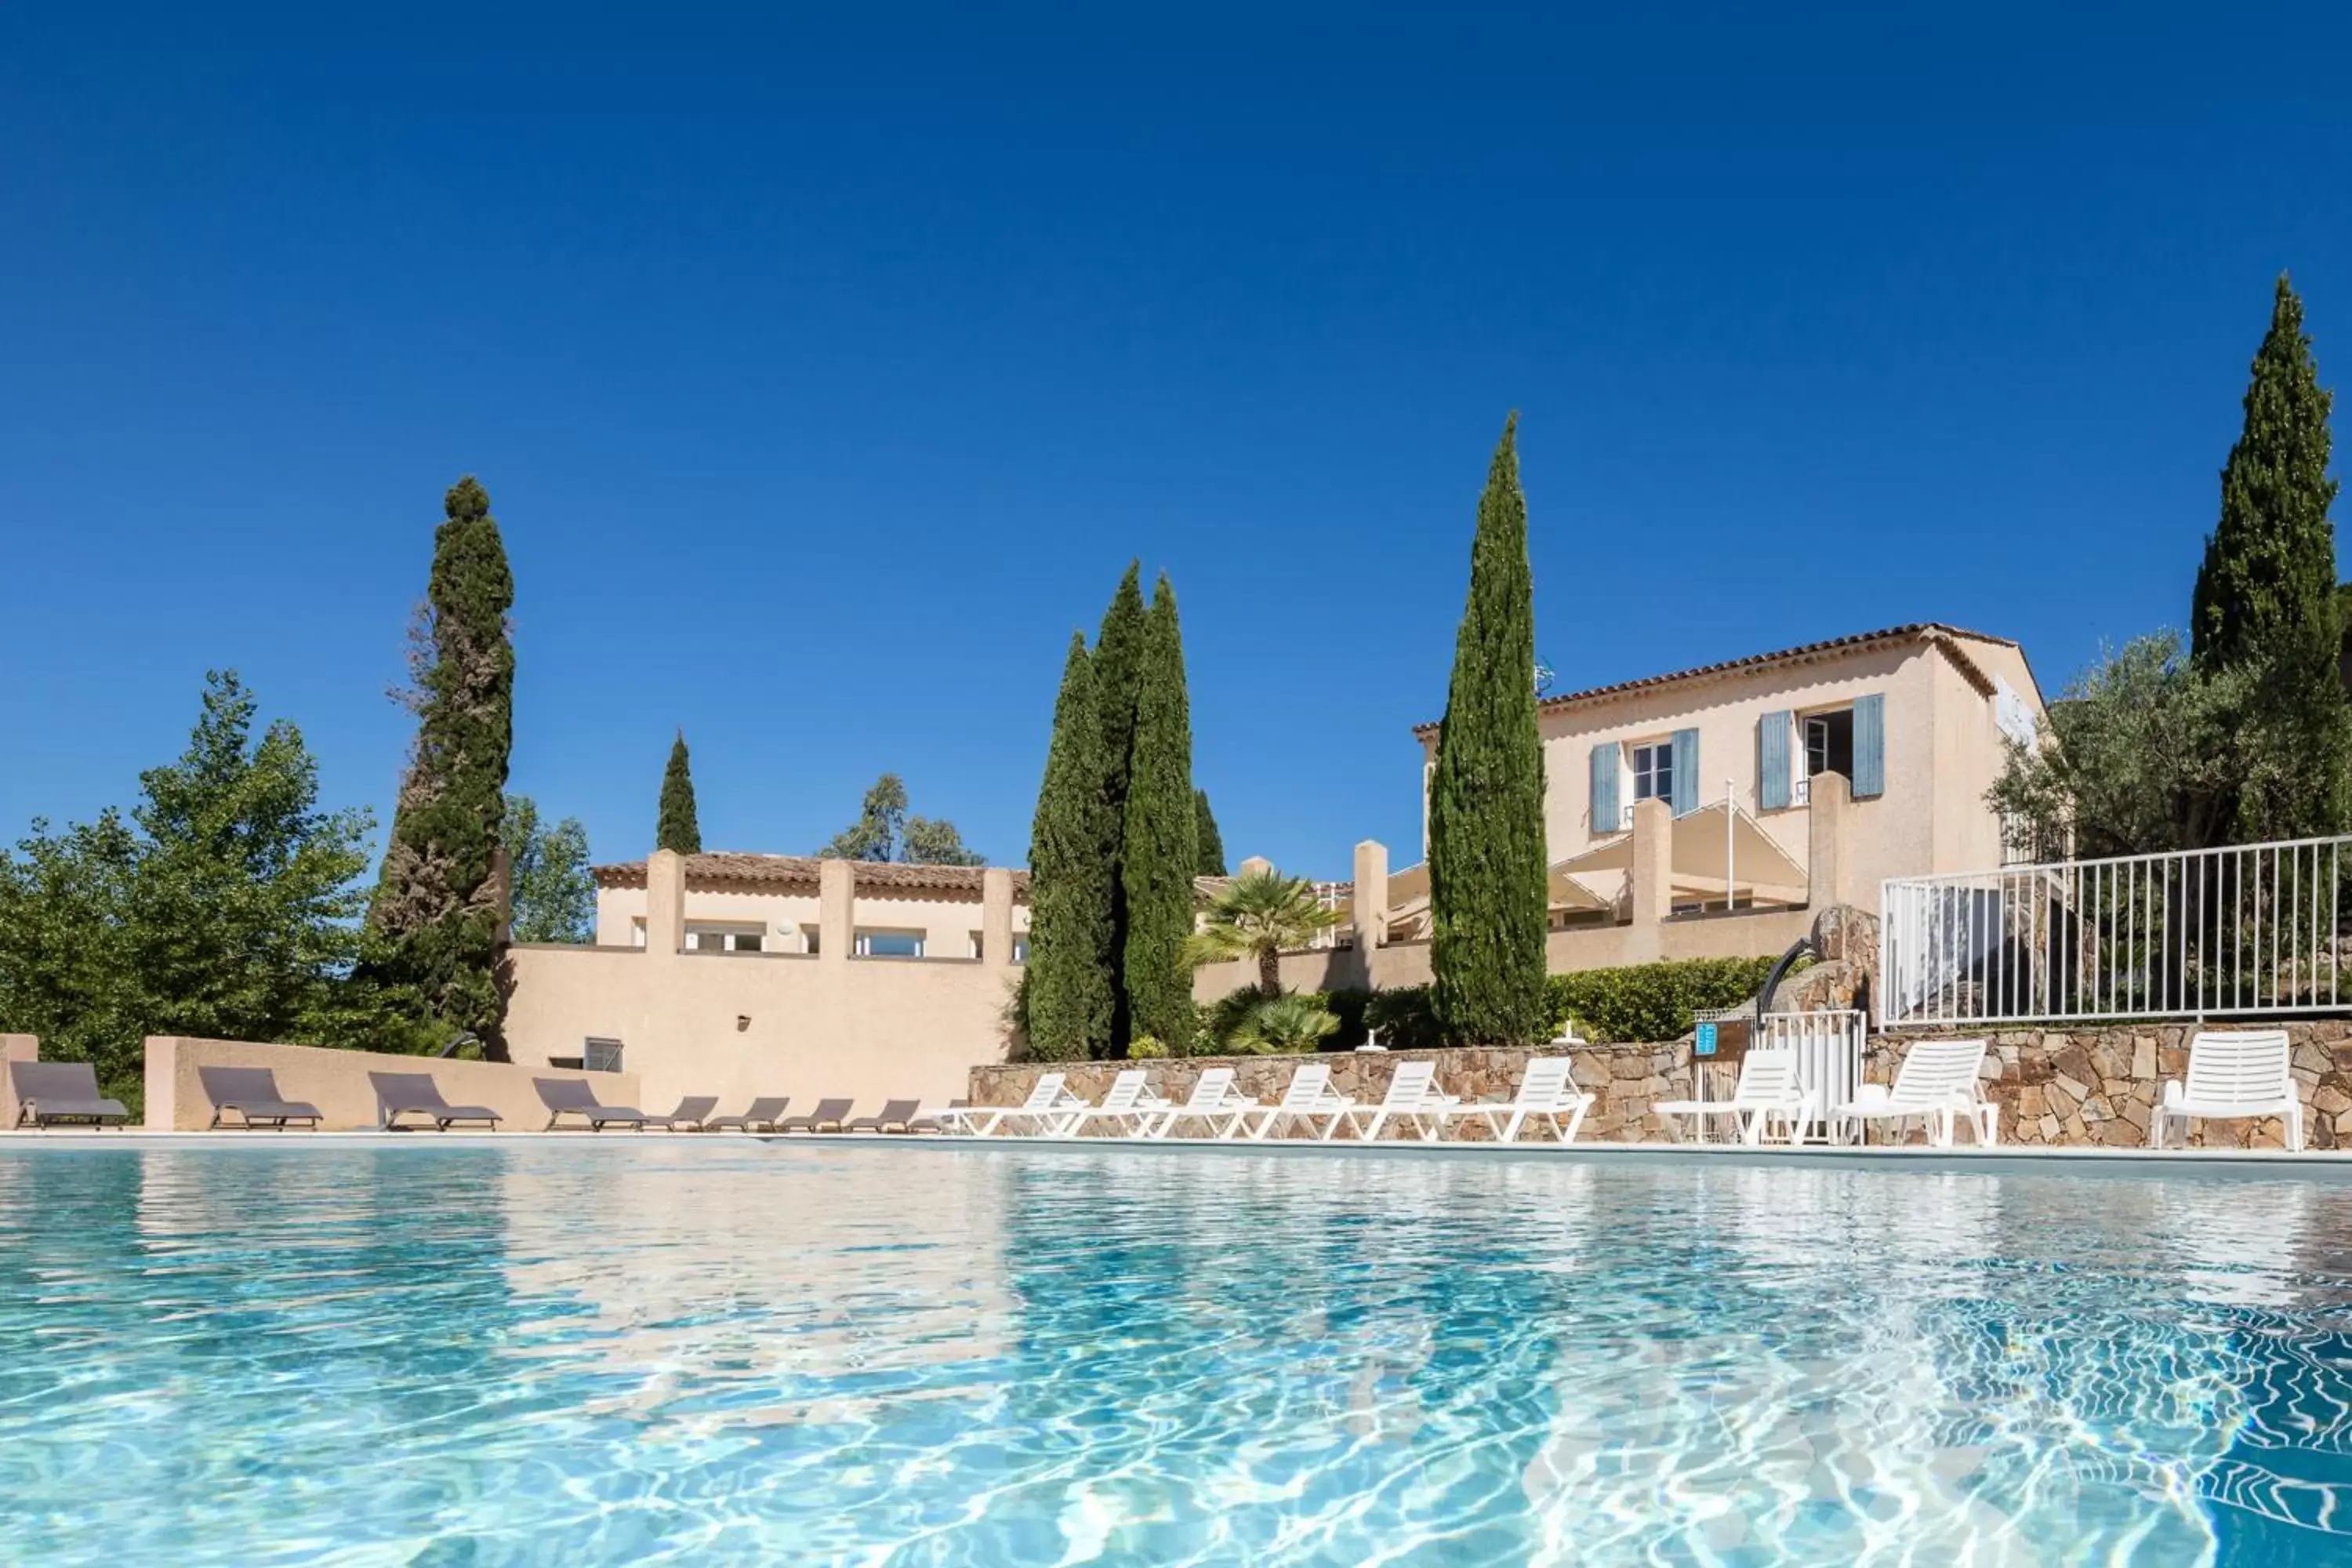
433,932
2268,581
1487,855
1071,975
1118,655
1211,862
1159,850
679,828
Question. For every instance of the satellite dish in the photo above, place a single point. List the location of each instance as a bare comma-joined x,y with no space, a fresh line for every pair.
1544,678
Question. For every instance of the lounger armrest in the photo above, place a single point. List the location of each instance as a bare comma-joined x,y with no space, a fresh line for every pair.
1868,1097
2174,1093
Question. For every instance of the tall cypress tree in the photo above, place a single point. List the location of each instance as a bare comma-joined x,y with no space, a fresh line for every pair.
2268,582
1160,848
1119,662
432,941
1487,855
1211,862
679,827
1072,972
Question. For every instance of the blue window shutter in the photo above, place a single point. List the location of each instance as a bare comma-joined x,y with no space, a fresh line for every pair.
1773,759
1607,759
1869,746
1685,799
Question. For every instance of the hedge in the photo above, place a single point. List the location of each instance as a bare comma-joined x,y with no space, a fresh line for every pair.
1641,1003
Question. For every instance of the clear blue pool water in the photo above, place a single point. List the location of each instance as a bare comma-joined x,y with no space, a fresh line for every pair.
832,1353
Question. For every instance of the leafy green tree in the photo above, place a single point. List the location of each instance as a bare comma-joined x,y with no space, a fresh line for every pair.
883,831
228,911
552,889
1158,851
1072,972
2268,580
1257,918
1118,668
1212,842
432,953
1487,851
679,828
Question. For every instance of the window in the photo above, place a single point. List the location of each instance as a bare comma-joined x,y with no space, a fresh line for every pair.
724,939
808,940
637,932
1828,742
889,945
976,944
1021,948
601,1055
1653,771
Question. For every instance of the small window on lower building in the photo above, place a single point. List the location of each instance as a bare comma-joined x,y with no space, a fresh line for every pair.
1653,771
889,945
808,940
1021,948
1828,742
979,945
724,939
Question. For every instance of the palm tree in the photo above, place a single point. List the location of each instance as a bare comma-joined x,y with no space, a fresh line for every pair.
1260,915
1280,1024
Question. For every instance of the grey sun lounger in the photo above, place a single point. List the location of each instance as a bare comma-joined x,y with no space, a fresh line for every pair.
571,1097
897,1116
827,1117
760,1118
51,1094
694,1111
252,1093
399,1094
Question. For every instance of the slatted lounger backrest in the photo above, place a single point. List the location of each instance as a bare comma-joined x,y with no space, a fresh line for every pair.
1308,1086
1937,1072
1125,1091
1214,1085
1047,1094
1766,1078
1546,1082
1409,1087
2239,1067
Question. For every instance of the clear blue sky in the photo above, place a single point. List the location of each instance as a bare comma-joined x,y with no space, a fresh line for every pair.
825,375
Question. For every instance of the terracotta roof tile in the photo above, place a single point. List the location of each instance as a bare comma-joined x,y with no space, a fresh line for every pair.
1934,633
739,868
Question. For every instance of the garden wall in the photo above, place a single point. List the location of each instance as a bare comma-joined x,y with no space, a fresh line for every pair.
2082,1087
337,1082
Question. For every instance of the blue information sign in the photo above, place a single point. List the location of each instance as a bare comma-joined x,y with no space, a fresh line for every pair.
1705,1045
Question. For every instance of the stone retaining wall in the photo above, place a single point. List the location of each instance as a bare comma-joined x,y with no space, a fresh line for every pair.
2073,1086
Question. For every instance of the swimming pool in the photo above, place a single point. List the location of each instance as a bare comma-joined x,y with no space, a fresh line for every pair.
835,1352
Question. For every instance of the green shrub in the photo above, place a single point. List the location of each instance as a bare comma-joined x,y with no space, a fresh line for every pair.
1405,1016
1347,1005
1288,1023
1145,1049
1650,1002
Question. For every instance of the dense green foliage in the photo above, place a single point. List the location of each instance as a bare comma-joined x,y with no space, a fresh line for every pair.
1119,670
551,890
1158,846
883,831
1071,974
1487,850
1639,1003
1293,1021
226,908
431,956
2248,738
1210,843
1257,918
679,828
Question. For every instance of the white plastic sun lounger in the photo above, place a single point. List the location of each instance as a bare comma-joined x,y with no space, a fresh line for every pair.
1768,1092
1130,1107
1307,1098
2232,1073
1546,1092
1937,1084
1412,1098
1214,1101
1048,1108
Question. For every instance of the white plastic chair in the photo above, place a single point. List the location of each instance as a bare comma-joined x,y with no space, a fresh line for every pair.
1412,1098
1546,1092
1768,1091
1130,1107
1937,1084
1049,1108
1307,1098
1214,1101
2232,1073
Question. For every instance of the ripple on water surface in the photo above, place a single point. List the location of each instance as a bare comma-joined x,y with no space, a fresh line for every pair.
829,1353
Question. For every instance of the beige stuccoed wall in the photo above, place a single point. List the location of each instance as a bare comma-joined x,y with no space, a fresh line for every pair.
784,918
337,1082
14,1048
743,1024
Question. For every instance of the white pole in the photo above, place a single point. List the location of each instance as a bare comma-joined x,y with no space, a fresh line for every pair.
1730,812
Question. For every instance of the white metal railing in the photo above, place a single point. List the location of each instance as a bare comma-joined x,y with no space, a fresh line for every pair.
1829,1054
1339,899
2258,927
